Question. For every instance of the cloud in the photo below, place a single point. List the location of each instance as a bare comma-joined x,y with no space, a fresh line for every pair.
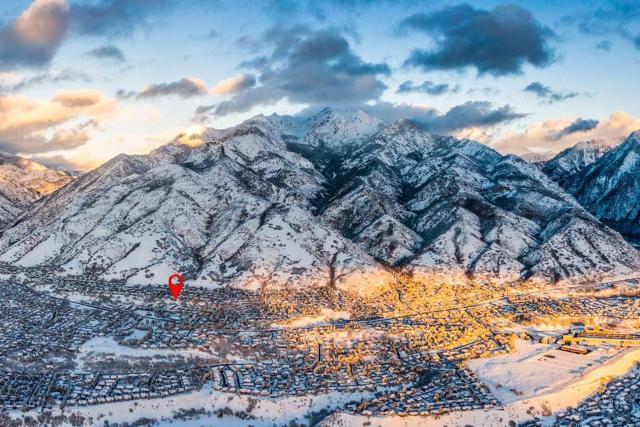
579,125
467,115
46,77
78,98
33,38
390,112
57,162
613,17
189,87
497,42
62,123
305,66
184,88
234,84
321,10
546,94
115,17
543,136
428,87
610,17
473,114
108,52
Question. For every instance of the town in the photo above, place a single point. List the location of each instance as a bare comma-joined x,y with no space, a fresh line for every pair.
402,356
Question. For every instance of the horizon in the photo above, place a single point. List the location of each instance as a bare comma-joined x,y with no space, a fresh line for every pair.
106,77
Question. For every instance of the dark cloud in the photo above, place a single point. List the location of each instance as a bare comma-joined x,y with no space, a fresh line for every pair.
428,87
304,66
497,42
307,66
47,77
546,94
469,114
184,88
579,125
108,52
126,94
115,17
32,39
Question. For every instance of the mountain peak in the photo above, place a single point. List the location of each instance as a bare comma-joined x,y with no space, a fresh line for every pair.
335,127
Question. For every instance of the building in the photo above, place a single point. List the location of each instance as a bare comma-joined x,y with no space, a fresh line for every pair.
601,337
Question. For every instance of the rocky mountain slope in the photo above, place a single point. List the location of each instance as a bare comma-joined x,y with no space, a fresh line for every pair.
22,182
537,158
610,187
572,160
336,199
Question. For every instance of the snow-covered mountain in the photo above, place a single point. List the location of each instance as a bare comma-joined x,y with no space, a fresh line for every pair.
537,158
572,160
432,203
337,199
22,182
610,187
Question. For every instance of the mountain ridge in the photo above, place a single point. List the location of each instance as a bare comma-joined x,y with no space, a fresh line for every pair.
610,187
281,201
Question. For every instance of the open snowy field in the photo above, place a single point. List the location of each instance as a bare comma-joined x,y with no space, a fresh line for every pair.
536,369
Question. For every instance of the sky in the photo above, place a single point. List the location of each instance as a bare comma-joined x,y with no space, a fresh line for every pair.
82,81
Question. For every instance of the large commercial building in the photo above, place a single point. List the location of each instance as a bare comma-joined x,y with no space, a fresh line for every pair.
600,337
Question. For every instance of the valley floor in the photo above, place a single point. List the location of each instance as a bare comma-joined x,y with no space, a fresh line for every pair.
82,352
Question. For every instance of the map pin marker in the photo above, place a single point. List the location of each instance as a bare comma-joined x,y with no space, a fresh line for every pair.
176,282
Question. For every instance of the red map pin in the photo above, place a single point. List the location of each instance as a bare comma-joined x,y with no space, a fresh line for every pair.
176,282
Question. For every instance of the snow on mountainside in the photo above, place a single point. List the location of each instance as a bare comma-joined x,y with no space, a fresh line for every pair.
573,159
232,211
432,203
610,187
335,199
22,182
537,158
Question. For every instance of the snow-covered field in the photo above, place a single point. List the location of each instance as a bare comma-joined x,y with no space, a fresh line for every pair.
103,346
536,369
324,318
